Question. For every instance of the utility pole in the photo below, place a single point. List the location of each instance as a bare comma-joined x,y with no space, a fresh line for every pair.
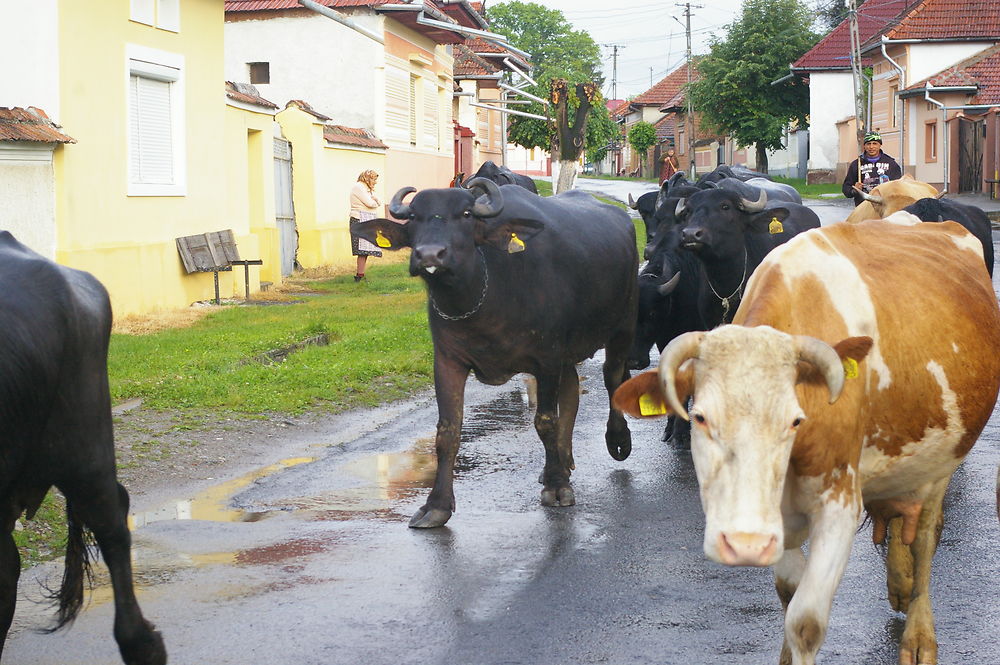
859,114
614,67
689,120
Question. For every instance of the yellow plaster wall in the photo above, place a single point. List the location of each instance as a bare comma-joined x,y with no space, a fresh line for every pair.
128,242
322,177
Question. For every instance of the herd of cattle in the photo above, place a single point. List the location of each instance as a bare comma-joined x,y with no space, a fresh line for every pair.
790,362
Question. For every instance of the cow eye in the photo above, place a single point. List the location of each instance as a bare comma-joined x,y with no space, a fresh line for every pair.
467,213
725,206
698,418
797,422
412,216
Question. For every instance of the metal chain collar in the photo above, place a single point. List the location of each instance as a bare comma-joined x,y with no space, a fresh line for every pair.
725,301
482,296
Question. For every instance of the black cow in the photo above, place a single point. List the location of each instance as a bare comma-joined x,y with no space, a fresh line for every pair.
750,189
502,175
731,235
972,218
657,208
737,171
518,283
56,429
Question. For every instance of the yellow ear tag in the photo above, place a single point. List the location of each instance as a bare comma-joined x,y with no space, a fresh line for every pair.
515,245
650,406
850,368
381,240
775,226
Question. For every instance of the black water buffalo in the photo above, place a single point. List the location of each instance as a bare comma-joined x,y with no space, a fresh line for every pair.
56,429
518,283
502,175
776,191
971,217
737,171
657,208
731,235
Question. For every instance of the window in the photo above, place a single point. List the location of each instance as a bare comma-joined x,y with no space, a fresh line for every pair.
397,105
260,72
155,130
163,14
930,141
413,109
432,135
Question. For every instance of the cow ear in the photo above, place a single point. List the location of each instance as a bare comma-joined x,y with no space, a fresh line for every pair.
642,395
770,221
852,350
507,234
384,233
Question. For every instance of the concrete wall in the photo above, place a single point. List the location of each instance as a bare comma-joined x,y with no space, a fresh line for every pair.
831,98
29,198
928,59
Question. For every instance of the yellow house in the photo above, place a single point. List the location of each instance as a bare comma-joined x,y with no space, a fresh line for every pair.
140,84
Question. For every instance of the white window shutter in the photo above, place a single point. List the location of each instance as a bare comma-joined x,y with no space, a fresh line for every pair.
151,140
168,15
432,135
397,105
143,11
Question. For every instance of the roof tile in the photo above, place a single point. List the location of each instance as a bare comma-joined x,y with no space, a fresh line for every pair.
665,89
950,20
352,136
982,70
834,50
30,124
248,94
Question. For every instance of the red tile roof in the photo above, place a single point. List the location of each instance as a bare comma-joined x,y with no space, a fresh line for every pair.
950,20
271,5
247,93
30,124
305,106
665,128
468,64
981,70
834,50
665,90
352,136
486,49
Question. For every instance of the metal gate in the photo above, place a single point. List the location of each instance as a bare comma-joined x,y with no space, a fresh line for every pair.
971,137
288,235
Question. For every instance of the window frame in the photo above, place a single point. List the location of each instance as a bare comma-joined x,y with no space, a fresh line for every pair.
162,66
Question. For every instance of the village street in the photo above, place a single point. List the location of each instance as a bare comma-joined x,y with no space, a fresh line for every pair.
308,559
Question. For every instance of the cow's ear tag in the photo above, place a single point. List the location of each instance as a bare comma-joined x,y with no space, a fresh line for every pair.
381,240
775,226
650,405
515,245
850,368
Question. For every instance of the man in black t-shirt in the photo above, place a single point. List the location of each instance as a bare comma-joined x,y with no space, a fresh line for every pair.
870,169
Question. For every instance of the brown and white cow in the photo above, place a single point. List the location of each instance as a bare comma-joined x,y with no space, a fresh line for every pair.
828,395
892,196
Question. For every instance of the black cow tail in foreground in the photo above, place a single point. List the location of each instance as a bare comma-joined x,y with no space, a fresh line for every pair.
518,283
56,430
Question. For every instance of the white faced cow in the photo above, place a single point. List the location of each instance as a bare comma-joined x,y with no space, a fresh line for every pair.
859,370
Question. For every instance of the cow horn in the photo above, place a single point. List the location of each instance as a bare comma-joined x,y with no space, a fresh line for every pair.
667,287
631,202
490,203
825,359
754,206
878,200
680,208
679,350
397,208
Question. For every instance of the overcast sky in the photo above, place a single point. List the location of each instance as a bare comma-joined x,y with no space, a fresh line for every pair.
649,34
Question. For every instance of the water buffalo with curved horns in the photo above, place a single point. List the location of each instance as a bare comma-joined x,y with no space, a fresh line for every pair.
502,175
518,283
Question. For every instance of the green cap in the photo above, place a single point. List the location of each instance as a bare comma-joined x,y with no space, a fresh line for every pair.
873,136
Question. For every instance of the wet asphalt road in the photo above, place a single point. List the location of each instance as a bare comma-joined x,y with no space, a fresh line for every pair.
309,561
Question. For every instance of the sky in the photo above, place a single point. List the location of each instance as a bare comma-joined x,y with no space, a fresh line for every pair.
649,34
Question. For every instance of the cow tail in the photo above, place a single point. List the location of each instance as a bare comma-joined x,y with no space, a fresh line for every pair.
76,570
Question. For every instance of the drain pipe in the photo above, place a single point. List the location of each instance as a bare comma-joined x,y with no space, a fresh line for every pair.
902,111
944,129
340,18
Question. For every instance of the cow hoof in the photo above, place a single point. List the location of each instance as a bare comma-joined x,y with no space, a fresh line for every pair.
428,519
147,649
620,449
558,496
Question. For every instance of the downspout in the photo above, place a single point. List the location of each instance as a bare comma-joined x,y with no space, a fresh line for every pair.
340,18
902,108
944,129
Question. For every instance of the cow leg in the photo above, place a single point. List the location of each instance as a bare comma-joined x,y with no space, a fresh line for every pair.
899,568
617,436
102,507
449,389
10,572
831,532
787,575
556,490
919,643
569,405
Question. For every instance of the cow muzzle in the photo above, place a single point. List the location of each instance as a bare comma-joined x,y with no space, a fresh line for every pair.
735,548
693,237
429,258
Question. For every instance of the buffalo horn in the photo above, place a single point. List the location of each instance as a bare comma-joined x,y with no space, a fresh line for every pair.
680,208
679,350
754,206
490,203
667,287
397,208
631,202
877,200
825,359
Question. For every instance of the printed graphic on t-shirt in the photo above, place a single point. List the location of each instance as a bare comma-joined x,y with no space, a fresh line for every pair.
873,174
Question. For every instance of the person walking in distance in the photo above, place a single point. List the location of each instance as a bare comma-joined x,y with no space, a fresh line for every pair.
669,166
364,206
870,169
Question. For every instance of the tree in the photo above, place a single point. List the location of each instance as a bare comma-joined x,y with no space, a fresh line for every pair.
557,53
734,94
642,137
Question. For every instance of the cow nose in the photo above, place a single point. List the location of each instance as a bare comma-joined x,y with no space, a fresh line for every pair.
696,234
748,549
430,257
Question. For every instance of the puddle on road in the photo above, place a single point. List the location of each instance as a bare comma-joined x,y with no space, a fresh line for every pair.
380,481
